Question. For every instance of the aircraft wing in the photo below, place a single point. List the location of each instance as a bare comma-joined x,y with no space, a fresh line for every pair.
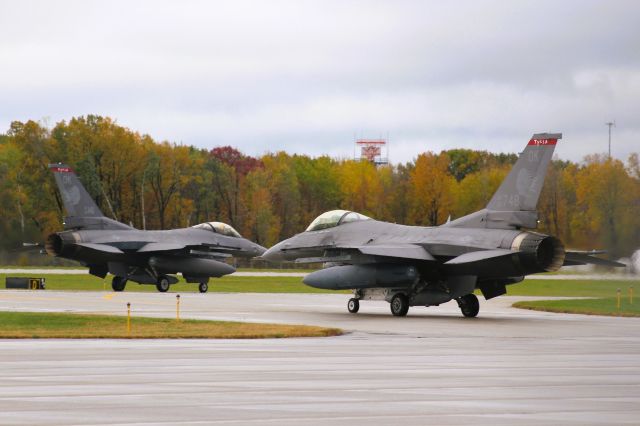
346,254
478,256
103,248
402,251
482,263
151,247
164,247
585,258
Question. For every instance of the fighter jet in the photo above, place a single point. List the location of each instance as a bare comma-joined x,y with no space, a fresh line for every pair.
145,257
427,266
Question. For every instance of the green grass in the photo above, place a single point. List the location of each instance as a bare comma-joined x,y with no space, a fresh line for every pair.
607,306
297,270
21,325
40,267
231,284
571,288
226,284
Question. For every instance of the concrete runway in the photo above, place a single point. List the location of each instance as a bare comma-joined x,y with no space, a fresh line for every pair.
62,271
433,367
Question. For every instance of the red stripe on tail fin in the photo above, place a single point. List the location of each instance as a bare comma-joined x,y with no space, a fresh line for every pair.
539,142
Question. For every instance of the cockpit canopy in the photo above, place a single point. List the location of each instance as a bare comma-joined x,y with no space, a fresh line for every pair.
219,228
334,218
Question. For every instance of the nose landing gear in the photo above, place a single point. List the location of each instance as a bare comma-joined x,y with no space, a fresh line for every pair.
163,284
118,283
469,305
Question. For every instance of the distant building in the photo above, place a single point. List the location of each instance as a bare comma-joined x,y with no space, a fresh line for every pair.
375,151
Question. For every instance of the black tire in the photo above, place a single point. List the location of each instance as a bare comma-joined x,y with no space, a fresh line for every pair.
163,284
399,305
469,305
353,305
118,283
203,287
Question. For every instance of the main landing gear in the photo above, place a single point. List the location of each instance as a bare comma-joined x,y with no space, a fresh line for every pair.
469,305
400,302
399,305
118,283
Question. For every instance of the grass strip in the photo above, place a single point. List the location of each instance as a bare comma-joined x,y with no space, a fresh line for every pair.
265,284
31,325
605,306
572,288
227,284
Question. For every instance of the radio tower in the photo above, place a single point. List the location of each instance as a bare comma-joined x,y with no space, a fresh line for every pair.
610,124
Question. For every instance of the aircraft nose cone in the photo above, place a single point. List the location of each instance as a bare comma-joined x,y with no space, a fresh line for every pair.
274,254
258,249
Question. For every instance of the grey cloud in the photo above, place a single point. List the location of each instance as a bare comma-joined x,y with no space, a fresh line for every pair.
307,76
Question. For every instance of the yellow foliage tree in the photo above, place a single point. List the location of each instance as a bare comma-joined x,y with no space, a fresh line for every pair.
431,190
604,195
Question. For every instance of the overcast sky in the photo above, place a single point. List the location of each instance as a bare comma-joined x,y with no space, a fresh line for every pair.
308,77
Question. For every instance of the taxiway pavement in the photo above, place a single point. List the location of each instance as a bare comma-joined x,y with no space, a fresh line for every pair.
63,271
505,367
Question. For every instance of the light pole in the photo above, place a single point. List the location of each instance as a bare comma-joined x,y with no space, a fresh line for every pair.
610,124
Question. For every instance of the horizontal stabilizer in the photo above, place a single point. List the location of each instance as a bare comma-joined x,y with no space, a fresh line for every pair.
103,248
477,256
403,251
582,258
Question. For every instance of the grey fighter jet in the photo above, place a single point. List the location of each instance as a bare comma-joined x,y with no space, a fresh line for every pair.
426,266
145,257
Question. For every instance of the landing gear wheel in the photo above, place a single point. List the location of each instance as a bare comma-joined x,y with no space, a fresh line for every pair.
353,305
203,287
163,284
118,283
469,305
399,305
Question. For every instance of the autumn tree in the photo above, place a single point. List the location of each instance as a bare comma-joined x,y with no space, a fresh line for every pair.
154,185
361,187
32,148
285,192
398,198
318,186
558,199
604,193
475,191
431,190
229,171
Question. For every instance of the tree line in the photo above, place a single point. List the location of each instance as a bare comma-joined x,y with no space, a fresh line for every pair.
162,185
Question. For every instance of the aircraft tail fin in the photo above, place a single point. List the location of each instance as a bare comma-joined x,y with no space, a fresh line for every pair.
82,211
514,204
521,189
